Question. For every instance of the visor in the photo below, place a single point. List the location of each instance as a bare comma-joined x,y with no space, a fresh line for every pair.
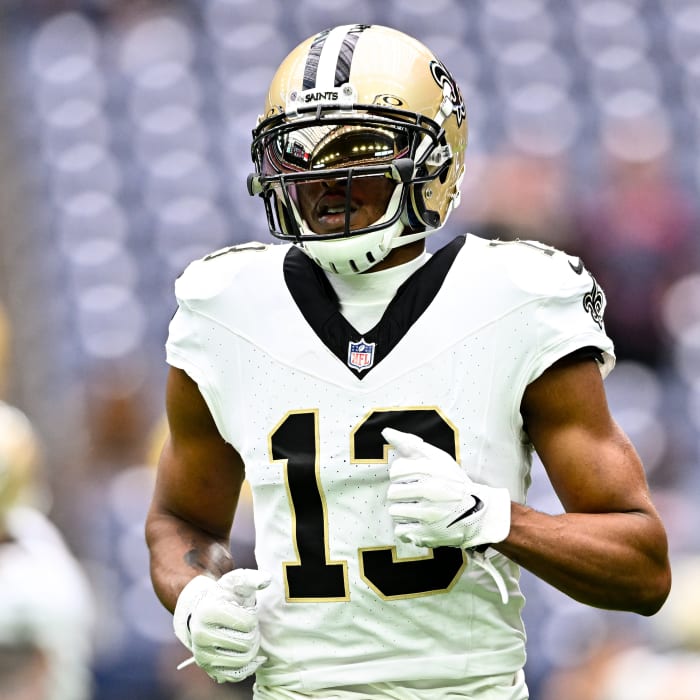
338,146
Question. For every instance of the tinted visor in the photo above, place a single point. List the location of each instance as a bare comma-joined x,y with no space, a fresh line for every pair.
337,146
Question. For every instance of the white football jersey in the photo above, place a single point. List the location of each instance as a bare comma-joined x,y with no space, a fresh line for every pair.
47,603
303,398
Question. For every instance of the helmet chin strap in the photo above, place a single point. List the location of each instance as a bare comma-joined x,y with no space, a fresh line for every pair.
407,238
346,256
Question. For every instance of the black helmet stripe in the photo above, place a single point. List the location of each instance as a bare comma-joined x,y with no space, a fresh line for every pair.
342,67
311,67
331,50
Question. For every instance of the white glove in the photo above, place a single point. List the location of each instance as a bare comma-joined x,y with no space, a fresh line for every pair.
434,503
217,620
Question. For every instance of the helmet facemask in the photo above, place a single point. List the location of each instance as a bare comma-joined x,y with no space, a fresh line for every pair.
349,148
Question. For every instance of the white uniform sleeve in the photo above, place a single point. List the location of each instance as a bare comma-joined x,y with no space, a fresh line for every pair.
566,302
185,347
569,318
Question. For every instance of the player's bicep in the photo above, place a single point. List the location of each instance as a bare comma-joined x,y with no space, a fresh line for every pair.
591,463
199,473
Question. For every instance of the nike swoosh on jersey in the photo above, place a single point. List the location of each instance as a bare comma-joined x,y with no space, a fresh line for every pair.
478,505
578,268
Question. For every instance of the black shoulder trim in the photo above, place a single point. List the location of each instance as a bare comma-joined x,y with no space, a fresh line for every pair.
589,352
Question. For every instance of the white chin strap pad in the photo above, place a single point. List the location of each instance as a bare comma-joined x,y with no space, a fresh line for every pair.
356,254
345,256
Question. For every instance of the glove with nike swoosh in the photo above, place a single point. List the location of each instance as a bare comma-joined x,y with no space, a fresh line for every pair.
435,504
217,620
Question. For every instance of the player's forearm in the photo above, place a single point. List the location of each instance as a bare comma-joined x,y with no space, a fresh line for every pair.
178,552
608,560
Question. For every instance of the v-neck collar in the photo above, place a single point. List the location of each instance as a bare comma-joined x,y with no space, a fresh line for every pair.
361,352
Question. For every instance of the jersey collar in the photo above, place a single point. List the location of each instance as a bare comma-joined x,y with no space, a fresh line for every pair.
316,299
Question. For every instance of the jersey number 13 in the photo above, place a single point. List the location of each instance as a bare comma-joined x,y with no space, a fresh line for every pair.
314,576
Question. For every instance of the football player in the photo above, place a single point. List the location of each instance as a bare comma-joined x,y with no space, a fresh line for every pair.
47,611
384,405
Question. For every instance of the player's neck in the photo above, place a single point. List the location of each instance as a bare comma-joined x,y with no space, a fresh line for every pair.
364,298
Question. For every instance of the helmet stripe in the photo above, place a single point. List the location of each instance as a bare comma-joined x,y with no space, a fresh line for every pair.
330,56
311,67
342,67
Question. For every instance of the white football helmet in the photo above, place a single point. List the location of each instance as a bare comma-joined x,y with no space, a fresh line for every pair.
360,101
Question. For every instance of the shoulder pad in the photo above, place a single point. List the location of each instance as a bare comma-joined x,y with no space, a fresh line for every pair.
540,269
211,275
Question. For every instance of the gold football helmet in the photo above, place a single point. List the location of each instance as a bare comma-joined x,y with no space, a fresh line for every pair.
20,457
355,102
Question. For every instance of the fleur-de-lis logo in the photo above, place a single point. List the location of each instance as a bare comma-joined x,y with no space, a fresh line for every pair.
594,303
442,78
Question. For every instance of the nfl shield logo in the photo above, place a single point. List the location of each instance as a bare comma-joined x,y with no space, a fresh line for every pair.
360,355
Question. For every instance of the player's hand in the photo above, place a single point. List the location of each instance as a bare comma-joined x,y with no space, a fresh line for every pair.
434,503
218,621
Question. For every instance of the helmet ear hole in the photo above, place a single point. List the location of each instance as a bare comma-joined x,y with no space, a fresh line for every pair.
420,217
432,219
416,208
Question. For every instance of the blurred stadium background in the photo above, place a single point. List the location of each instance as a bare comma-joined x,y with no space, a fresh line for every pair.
124,149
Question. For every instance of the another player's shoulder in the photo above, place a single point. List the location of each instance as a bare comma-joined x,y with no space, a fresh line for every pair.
533,267
216,272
